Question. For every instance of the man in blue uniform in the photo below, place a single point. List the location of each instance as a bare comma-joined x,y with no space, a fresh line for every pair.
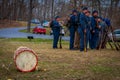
101,25
83,29
56,31
95,30
89,28
72,28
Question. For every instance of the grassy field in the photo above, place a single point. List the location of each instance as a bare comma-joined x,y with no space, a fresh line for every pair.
59,64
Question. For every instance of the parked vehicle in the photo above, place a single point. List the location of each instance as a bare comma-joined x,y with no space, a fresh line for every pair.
116,34
45,23
39,30
35,21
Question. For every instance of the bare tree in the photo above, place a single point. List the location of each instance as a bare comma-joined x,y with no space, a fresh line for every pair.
52,9
47,9
30,15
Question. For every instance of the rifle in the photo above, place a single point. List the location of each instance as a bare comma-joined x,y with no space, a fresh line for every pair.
60,41
60,38
106,39
85,45
101,39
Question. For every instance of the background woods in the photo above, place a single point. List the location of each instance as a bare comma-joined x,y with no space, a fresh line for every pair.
47,9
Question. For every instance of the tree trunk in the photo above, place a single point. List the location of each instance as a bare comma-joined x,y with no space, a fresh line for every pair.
52,10
99,7
30,16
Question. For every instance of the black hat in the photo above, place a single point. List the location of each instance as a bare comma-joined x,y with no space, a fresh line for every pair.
84,8
95,11
74,11
57,17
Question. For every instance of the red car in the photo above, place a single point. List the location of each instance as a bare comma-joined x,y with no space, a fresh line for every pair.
39,30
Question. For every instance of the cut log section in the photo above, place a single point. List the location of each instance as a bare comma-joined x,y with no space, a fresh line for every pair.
25,59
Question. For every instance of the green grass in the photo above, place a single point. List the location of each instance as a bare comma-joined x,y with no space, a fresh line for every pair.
101,69
35,40
27,40
60,64
101,72
25,30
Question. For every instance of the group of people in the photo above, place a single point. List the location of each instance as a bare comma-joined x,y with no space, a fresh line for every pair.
85,28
